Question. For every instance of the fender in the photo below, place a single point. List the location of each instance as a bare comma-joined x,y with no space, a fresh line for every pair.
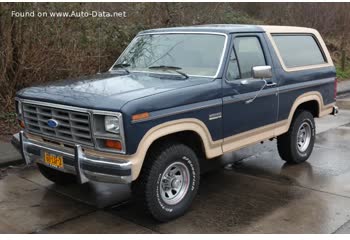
212,148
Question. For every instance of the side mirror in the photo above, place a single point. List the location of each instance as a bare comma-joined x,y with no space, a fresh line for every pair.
262,72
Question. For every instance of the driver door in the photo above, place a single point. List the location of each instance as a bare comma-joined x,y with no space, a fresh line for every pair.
249,107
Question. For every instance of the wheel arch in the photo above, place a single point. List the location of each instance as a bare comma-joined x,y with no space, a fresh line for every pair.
174,129
311,101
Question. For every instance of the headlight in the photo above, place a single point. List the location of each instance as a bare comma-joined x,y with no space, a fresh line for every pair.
112,124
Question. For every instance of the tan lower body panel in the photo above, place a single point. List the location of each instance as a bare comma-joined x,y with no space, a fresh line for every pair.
253,136
328,109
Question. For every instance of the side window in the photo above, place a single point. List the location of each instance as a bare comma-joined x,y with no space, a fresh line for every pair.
249,54
298,50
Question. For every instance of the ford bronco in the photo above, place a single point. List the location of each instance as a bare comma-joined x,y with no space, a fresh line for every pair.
174,98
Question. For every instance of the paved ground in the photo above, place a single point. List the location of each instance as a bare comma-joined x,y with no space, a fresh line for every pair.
259,193
9,155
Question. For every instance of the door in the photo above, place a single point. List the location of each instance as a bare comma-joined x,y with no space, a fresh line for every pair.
248,105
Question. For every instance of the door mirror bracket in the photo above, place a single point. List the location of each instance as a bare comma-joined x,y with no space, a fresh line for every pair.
257,94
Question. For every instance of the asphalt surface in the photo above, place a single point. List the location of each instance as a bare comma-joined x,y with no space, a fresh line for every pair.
257,193
9,155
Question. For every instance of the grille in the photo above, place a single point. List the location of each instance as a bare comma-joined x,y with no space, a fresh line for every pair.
72,126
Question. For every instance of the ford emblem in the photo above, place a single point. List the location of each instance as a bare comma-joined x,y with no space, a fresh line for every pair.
52,123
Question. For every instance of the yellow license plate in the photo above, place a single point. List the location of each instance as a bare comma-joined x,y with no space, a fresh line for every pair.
53,160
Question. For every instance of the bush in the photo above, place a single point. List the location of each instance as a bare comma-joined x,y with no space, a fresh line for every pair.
343,75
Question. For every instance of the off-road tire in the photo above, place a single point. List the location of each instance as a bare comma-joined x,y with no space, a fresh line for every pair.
60,178
287,143
146,189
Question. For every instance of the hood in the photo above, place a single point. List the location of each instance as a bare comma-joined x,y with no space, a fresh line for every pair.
107,91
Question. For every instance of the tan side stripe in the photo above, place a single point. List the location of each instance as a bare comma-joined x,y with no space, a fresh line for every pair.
252,136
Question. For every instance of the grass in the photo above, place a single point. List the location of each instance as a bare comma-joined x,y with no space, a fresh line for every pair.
343,75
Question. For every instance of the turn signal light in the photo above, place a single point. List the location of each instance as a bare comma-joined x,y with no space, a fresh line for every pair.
140,116
115,144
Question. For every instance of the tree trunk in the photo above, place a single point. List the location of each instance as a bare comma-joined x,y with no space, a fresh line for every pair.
343,60
343,50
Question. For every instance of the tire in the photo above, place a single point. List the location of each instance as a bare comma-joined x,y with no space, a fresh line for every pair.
291,148
152,186
60,178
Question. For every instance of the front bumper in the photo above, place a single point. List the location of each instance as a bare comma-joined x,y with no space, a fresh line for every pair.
76,162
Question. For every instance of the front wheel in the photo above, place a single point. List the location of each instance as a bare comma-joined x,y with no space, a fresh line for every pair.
168,181
297,144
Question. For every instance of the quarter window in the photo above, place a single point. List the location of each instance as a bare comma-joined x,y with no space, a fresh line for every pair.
298,50
232,70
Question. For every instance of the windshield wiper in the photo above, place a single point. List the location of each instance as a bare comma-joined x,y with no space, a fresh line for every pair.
122,66
174,68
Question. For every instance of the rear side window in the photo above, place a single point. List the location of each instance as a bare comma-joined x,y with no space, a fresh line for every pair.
298,50
249,54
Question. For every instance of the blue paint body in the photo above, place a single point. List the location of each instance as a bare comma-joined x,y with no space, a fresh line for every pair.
168,97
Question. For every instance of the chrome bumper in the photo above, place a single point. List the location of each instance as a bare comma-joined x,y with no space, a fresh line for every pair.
76,162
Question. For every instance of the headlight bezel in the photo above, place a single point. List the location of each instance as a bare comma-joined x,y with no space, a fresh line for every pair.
100,133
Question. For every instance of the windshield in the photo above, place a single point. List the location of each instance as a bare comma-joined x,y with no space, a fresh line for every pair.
194,54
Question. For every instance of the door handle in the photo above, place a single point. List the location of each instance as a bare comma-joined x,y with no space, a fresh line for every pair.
244,82
271,84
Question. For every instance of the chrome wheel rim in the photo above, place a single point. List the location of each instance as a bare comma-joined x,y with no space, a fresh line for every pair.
304,136
174,183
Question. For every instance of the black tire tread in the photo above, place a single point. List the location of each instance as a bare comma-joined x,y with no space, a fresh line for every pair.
284,142
140,194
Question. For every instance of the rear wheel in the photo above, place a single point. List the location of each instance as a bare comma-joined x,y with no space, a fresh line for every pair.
168,181
56,176
297,144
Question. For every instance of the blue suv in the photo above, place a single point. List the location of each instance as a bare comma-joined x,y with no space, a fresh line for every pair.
175,98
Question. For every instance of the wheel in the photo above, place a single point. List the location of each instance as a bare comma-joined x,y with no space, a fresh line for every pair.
56,176
297,144
168,181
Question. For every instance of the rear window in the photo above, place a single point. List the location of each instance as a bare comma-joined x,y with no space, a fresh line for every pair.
298,50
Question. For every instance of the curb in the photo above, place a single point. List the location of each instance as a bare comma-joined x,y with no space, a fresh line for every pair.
344,103
345,87
343,92
15,141
16,159
11,163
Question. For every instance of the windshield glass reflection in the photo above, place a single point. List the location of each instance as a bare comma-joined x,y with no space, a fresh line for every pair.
193,54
